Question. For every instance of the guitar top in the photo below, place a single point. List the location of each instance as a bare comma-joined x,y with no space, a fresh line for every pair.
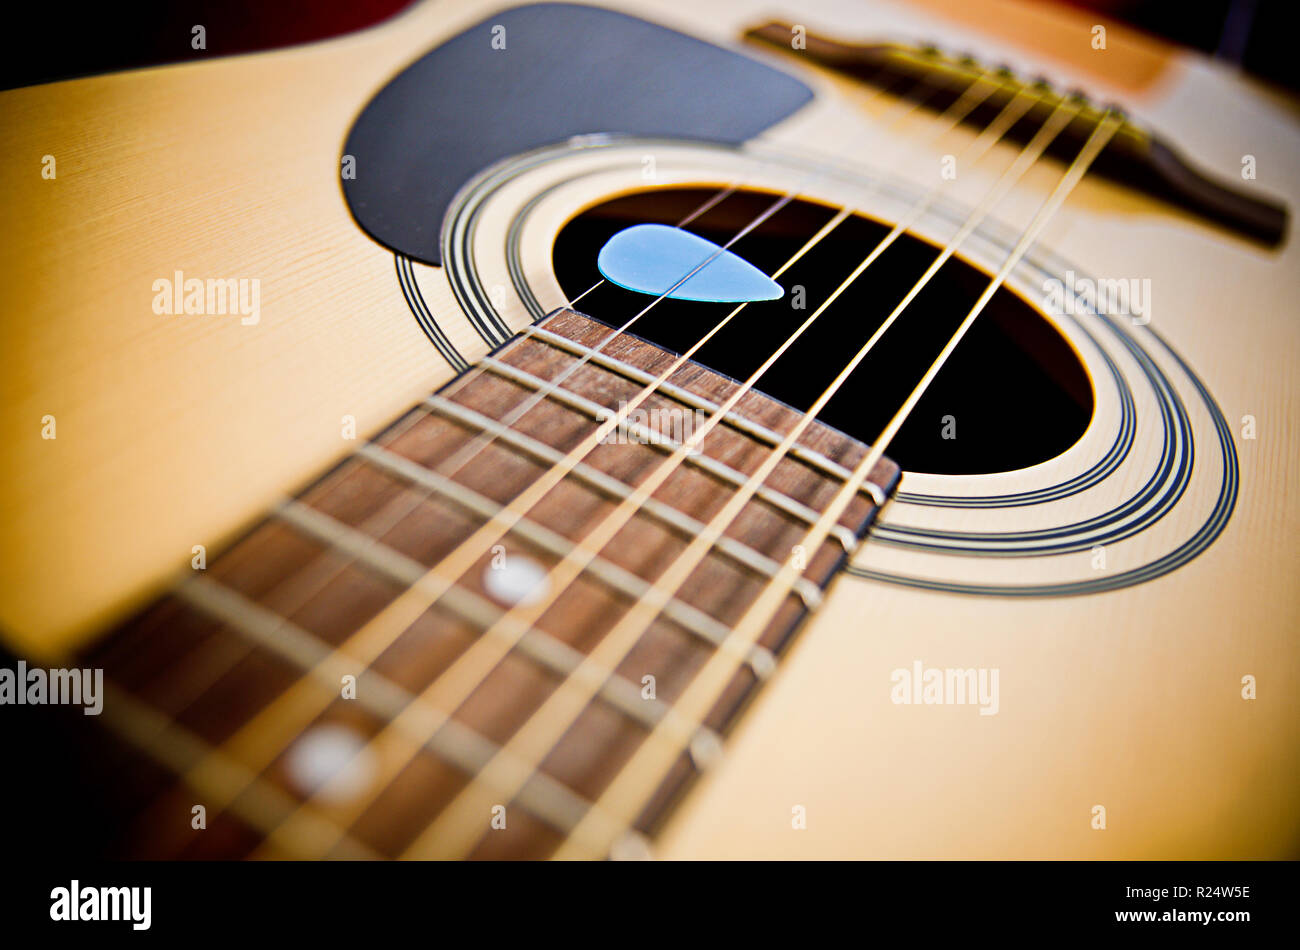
641,430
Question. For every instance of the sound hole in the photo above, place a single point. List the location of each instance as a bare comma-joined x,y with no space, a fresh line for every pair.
1013,394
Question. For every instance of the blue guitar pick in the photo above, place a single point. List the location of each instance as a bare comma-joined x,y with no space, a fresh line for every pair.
650,258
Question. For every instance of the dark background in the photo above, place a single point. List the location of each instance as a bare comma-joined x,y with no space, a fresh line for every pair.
78,38
1254,33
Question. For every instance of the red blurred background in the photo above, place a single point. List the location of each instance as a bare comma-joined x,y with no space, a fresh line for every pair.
77,38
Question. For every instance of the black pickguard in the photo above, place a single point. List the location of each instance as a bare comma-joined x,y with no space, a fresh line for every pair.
565,70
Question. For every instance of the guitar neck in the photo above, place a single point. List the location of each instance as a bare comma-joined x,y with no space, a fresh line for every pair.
344,681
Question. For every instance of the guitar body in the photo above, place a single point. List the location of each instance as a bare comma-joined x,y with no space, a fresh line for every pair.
1144,572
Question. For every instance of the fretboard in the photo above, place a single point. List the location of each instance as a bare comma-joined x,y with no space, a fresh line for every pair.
329,687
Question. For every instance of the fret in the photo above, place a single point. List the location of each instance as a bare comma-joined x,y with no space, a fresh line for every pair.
715,468
627,583
732,419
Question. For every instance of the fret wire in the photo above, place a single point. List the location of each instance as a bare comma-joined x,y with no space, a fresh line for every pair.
625,796
732,420
679,521
447,836
691,618
213,670
709,465
271,730
217,778
554,655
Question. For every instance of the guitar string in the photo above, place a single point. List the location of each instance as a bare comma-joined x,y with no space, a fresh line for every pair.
619,806
623,800
954,115
454,831
249,743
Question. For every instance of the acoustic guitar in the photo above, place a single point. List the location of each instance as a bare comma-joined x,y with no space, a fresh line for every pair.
662,430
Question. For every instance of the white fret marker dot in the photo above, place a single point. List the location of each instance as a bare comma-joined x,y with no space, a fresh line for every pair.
762,662
519,581
705,749
325,753
631,846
